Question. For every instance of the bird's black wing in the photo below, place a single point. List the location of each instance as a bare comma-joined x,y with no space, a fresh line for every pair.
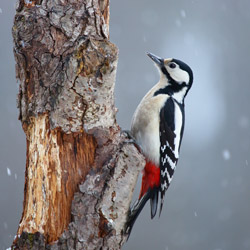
168,158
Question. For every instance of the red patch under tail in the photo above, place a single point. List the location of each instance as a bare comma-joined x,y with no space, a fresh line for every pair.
150,178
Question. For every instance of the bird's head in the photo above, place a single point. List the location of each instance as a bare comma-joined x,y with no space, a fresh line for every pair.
177,75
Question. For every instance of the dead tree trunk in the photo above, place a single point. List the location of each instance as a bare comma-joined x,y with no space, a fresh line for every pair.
80,172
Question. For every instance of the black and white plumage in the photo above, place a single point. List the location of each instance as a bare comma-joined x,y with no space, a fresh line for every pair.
171,130
157,127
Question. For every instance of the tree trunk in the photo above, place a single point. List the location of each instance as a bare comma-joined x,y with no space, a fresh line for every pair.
80,170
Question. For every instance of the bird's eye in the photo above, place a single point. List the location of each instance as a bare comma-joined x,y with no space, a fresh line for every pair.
172,65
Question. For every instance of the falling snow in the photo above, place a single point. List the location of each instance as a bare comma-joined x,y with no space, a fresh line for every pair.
183,13
1,11
226,154
8,172
15,176
195,214
246,162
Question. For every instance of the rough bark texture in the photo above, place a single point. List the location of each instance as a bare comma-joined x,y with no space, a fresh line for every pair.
80,170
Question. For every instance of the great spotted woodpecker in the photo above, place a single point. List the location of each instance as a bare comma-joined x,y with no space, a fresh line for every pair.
157,127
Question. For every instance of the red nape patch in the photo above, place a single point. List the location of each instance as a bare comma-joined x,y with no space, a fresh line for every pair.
150,178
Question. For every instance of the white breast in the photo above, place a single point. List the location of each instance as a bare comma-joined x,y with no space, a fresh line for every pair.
145,125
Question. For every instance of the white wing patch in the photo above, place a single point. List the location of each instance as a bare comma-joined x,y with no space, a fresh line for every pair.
177,131
170,154
163,161
170,162
163,173
164,185
164,147
169,178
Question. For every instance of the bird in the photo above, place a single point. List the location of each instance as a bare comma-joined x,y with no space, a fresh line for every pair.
157,128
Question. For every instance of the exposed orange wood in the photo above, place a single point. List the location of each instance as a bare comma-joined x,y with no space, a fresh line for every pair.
56,163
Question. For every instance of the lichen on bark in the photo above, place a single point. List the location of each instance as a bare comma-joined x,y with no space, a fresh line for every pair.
62,51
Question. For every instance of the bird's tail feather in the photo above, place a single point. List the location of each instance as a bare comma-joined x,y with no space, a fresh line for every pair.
162,201
154,202
135,211
152,194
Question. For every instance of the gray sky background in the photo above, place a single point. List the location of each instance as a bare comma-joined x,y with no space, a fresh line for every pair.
207,206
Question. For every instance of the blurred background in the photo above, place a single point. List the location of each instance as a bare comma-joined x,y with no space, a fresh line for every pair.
207,206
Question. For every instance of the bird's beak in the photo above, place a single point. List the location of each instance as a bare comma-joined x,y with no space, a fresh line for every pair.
159,61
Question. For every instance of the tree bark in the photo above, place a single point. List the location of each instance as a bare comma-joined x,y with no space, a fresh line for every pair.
80,170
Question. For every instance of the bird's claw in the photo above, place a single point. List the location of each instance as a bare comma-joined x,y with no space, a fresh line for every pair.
131,139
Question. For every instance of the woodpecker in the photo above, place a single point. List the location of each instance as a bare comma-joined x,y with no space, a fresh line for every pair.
157,127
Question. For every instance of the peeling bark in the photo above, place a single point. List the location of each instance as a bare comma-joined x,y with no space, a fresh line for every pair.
56,162
80,170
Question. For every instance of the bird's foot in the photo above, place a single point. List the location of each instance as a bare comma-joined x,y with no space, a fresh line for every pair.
131,139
